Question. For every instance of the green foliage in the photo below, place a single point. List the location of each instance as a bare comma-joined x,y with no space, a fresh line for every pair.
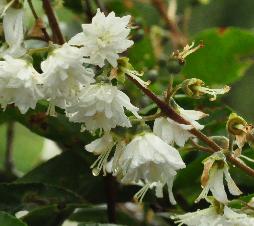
8,220
224,58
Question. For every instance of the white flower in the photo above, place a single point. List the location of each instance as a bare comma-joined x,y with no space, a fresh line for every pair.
102,147
213,179
211,217
101,106
64,75
205,217
19,84
147,160
237,219
14,32
104,38
173,132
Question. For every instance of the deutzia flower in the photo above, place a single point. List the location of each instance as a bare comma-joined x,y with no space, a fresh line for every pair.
101,106
212,217
14,32
104,38
173,132
64,75
215,168
149,161
205,217
13,26
19,84
102,147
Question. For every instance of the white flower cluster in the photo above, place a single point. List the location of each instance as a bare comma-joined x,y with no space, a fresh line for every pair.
68,80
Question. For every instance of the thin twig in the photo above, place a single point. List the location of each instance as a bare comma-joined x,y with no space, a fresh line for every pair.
201,148
101,5
172,114
9,148
53,23
110,187
88,10
178,39
37,18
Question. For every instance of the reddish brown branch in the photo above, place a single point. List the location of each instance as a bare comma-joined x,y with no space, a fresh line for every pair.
178,38
36,17
53,23
172,114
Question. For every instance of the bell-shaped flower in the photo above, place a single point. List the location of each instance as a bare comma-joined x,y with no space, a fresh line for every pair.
101,147
101,106
213,216
19,84
104,38
13,25
172,132
64,75
215,169
149,161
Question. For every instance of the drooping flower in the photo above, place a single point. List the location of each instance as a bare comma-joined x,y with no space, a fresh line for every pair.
13,25
101,106
173,132
101,147
215,168
149,161
64,75
19,84
212,217
104,38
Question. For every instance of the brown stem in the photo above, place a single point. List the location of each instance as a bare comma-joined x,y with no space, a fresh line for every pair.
101,5
178,39
88,10
43,29
53,23
110,187
9,148
172,114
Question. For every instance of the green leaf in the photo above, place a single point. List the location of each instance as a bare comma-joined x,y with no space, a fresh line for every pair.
9,220
70,170
58,129
99,213
18,196
25,157
223,60
49,215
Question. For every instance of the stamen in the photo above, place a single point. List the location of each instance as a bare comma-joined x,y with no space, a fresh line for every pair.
100,163
51,110
141,193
